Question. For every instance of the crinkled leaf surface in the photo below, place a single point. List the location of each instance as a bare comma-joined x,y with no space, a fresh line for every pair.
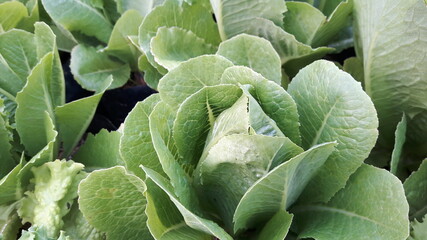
165,220
280,188
113,202
234,16
100,150
55,189
190,77
191,219
136,146
76,226
418,230
354,212
79,16
333,107
255,53
391,38
91,68
174,45
400,138
415,189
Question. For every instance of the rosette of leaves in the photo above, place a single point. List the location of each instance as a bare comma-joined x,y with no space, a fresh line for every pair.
223,152
37,127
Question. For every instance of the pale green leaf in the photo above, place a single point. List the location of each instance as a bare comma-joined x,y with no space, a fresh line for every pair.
273,99
418,230
74,117
400,138
151,74
333,107
196,18
79,16
174,45
277,227
47,204
191,219
76,226
232,166
91,68
415,189
136,146
47,154
27,23
10,223
280,188
46,43
34,102
354,66
142,6
293,54
164,219
253,52
100,150
113,202
7,162
11,13
354,213
235,16
119,44
191,76
196,116
9,186
18,56
390,38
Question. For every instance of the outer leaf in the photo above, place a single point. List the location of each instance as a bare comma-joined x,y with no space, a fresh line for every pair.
196,116
293,54
354,66
164,219
333,106
74,117
18,56
253,52
33,102
191,219
91,68
79,17
76,226
280,188
47,154
10,223
419,230
174,45
11,13
415,189
151,74
9,186
282,110
119,44
6,160
400,138
390,38
100,150
113,202
48,203
353,212
195,18
142,6
233,165
190,77
278,226
136,146
234,17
